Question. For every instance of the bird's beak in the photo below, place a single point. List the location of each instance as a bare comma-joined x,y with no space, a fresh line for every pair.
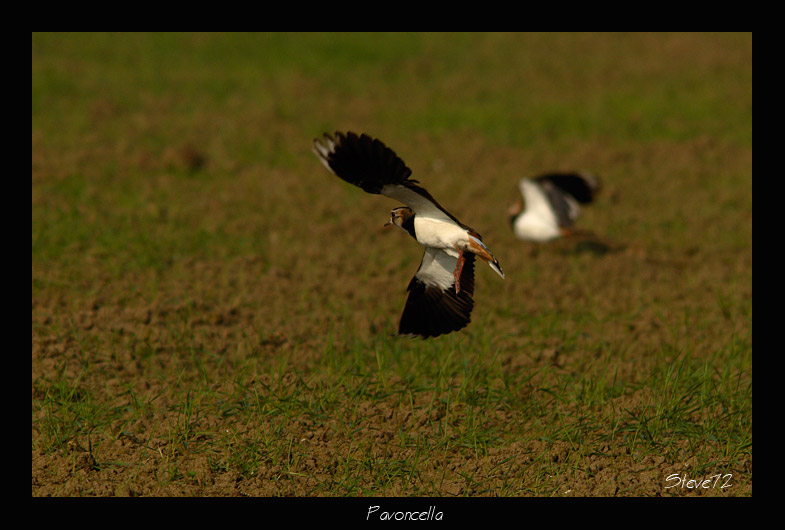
389,222
513,211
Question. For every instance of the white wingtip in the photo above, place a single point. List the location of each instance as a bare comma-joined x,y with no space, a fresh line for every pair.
323,151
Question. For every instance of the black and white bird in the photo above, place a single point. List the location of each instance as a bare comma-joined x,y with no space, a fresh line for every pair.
440,293
552,204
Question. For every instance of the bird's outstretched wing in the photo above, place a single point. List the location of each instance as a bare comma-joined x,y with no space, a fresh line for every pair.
369,164
564,189
539,203
581,186
434,307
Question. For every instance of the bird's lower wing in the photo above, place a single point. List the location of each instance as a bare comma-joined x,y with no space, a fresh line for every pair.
434,307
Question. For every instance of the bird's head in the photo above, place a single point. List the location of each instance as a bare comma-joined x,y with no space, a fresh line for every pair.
514,210
399,215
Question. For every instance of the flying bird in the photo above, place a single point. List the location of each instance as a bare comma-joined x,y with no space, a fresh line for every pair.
440,293
552,205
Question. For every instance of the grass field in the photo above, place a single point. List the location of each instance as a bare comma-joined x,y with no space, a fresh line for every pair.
213,313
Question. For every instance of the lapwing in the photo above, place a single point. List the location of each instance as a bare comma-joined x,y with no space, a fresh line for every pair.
552,205
440,293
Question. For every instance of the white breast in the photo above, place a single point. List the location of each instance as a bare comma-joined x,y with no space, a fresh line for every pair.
439,234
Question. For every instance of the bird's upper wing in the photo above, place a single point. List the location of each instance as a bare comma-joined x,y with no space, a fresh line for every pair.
581,186
564,206
368,163
539,201
433,306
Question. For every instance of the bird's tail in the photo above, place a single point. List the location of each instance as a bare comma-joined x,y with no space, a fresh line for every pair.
478,247
497,267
